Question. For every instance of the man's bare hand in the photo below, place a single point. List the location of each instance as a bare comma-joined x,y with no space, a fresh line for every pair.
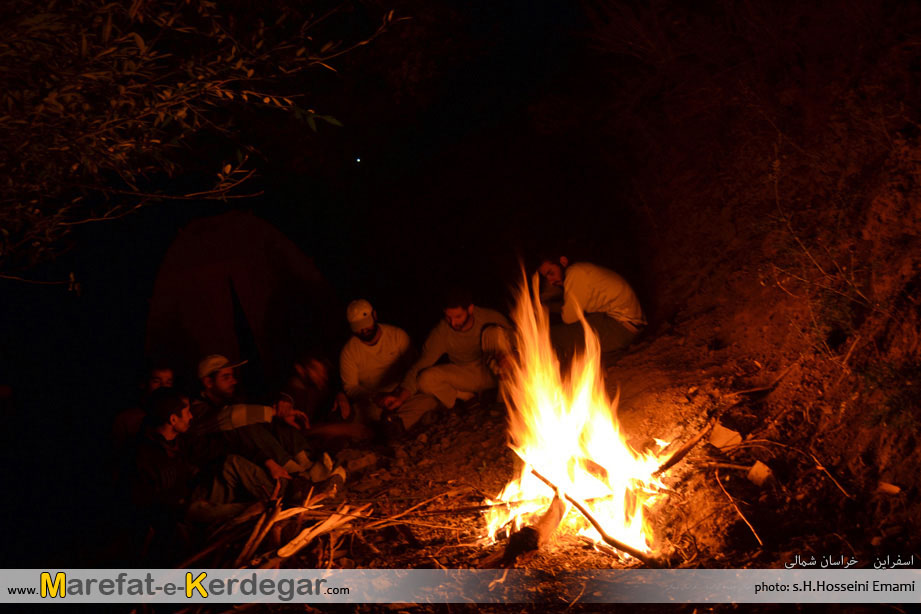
342,405
298,420
277,471
395,399
505,365
317,373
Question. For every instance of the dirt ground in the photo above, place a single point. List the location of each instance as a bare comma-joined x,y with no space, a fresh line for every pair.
671,384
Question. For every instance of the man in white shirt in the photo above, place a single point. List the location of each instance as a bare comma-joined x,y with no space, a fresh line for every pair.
476,342
607,300
372,364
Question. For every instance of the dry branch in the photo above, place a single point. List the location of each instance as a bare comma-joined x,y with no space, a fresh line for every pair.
341,517
611,541
741,515
683,451
262,529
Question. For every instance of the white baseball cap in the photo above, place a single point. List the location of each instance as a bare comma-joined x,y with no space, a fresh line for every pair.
213,363
360,315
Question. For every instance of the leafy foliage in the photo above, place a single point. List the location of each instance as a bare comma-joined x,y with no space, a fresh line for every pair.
103,103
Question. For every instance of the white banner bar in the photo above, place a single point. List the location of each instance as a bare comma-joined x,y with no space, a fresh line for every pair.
458,586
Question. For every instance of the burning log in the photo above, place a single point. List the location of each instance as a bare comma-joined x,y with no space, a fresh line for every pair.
611,541
533,537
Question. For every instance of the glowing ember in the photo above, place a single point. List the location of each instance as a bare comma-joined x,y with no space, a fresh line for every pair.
566,428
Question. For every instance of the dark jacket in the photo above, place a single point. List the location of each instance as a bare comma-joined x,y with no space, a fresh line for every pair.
164,478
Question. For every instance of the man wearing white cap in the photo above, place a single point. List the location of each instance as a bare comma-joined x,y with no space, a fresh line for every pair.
229,427
371,365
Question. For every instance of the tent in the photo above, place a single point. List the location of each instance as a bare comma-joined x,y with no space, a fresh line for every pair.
233,284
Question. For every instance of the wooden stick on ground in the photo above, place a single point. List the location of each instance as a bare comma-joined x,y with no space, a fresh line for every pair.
765,389
600,547
339,518
683,451
727,466
741,515
256,538
385,521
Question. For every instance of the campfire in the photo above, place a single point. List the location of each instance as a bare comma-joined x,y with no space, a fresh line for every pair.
578,471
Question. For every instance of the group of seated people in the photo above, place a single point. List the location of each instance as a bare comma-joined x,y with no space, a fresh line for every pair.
198,460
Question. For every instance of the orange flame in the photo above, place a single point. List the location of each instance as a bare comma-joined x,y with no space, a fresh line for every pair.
566,428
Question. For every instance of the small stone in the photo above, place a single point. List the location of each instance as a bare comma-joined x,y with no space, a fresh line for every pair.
886,488
369,459
721,437
759,473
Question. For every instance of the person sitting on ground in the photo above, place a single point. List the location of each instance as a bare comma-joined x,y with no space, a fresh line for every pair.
168,486
308,386
127,424
266,435
477,344
610,306
372,364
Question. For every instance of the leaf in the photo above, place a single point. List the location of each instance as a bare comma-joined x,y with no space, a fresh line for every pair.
329,119
140,42
133,11
107,29
226,169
